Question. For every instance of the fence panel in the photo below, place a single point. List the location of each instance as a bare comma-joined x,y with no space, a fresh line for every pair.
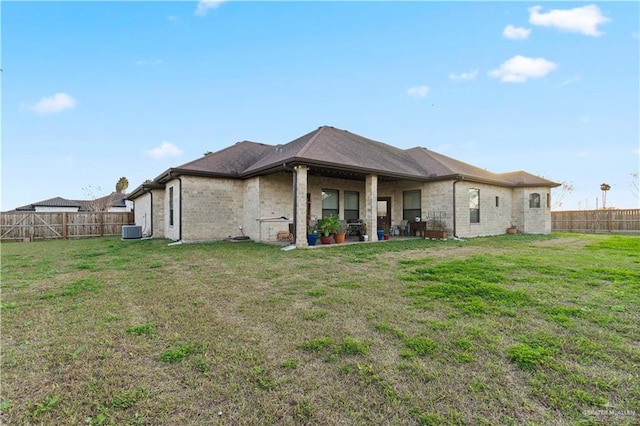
596,221
43,226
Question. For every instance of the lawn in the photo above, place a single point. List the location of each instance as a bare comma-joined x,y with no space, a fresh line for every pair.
501,330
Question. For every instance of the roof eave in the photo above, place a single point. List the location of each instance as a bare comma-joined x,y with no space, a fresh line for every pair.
143,189
291,162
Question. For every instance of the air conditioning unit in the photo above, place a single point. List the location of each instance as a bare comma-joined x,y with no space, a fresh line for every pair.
131,232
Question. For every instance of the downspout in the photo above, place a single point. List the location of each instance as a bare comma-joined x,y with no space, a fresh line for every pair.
455,234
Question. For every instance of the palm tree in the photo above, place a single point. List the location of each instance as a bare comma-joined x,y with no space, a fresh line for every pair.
604,187
122,185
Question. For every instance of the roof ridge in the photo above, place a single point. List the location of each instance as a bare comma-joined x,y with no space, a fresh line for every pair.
434,157
308,144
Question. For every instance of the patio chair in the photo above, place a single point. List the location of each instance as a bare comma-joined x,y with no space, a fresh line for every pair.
403,227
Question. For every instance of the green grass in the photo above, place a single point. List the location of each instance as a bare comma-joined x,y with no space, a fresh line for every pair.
501,330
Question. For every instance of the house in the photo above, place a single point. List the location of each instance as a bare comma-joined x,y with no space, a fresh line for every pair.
115,202
260,190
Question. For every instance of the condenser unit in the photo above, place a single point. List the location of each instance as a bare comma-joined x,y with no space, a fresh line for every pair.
131,232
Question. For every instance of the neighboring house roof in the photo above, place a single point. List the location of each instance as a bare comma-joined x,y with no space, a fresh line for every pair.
113,200
51,202
329,148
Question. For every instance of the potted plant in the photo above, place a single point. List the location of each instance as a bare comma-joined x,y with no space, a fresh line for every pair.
436,228
339,234
512,230
328,225
387,232
380,233
312,235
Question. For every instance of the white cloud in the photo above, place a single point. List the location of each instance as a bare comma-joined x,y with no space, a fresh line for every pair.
205,5
149,62
418,91
166,149
583,20
55,103
516,33
520,68
464,75
571,80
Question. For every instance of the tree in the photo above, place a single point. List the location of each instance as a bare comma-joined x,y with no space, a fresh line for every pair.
122,185
97,203
564,189
634,184
604,187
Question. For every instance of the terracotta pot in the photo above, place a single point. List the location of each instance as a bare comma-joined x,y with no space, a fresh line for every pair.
339,237
512,230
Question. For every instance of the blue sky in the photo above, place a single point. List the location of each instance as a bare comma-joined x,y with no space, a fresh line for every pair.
95,91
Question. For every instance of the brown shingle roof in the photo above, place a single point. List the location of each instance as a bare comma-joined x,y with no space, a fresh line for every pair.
231,161
113,200
328,147
51,202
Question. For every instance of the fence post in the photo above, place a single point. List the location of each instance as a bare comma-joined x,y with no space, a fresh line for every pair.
64,225
101,218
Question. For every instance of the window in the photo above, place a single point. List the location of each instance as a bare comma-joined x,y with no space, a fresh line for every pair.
474,205
548,200
351,205
329,202
534,201
411,205
171,206
497,201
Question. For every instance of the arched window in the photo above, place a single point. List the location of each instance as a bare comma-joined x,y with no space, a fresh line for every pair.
534,200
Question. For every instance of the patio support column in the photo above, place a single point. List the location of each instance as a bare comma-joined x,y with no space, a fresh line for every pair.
371,206
300,182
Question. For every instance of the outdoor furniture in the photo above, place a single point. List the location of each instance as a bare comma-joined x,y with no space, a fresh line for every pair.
418,227
354,227
403,227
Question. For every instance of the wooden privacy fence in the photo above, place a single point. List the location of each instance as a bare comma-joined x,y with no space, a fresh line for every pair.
44,226
617,221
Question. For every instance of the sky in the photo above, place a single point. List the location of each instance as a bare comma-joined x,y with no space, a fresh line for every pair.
93,91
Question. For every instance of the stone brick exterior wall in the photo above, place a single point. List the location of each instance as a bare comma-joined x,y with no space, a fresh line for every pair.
172,231
532,220
158,213
212,208
215,208
142,214
494,220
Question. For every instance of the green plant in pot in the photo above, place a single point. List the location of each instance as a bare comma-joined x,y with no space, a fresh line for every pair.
340,234
312,235
328,225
